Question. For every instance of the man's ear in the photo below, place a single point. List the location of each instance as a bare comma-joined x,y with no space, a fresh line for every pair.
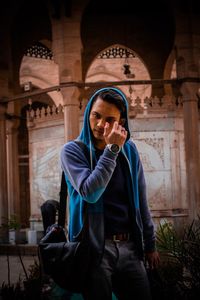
122,121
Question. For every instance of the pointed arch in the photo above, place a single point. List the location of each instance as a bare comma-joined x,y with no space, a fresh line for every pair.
109,65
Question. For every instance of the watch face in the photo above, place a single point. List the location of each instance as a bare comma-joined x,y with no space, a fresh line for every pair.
115,148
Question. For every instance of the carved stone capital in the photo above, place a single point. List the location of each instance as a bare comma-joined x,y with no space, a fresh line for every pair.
70,96
189,91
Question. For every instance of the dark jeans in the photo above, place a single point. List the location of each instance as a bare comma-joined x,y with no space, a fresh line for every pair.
121,272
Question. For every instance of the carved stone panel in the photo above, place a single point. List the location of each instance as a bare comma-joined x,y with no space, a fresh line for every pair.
45,141
45,173
155,156
160,142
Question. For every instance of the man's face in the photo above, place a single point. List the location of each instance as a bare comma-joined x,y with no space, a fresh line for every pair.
101,113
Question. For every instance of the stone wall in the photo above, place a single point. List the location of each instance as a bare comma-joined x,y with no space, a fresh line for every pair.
160,142
157,130
46,136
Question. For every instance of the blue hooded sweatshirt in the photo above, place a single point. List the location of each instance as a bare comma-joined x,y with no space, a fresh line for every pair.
88,178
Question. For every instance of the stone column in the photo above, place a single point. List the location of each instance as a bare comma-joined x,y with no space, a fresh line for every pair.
175,175
71,113
66,46
3,166
67,54
187,45
13,168
191,135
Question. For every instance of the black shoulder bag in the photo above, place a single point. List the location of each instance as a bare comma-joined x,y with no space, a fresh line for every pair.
67,263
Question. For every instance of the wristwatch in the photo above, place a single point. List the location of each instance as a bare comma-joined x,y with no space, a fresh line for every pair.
114,148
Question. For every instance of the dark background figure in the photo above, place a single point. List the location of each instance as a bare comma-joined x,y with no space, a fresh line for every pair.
49,210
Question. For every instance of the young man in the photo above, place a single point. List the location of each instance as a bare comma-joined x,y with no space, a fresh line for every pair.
111,183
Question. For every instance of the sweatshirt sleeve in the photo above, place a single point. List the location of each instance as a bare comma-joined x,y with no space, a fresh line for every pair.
90,184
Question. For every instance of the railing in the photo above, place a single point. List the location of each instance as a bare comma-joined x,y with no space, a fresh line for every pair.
155,104
45,113
136,106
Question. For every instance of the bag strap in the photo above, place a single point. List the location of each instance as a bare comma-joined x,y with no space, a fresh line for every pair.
63,201
63,189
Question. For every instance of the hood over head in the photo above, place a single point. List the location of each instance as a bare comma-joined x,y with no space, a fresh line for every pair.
86,134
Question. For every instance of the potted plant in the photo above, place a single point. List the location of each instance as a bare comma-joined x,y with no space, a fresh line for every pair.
13,225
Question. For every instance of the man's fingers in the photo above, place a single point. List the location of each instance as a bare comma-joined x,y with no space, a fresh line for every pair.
115,125
115,135
118,127
106,129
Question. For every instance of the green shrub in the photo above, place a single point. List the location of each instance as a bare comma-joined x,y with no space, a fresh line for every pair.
180,259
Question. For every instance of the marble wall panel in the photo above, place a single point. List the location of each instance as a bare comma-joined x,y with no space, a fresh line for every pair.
45,173
45,143
152,123
155,156
160,143
46,133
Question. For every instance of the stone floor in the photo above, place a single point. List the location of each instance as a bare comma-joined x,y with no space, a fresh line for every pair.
10,255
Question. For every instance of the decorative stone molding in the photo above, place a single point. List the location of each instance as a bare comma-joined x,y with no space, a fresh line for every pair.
45,113
154,105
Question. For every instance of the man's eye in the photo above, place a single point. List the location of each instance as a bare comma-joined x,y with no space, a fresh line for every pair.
96,115
110,120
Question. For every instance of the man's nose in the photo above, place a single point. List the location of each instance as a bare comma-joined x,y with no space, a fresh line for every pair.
101,123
